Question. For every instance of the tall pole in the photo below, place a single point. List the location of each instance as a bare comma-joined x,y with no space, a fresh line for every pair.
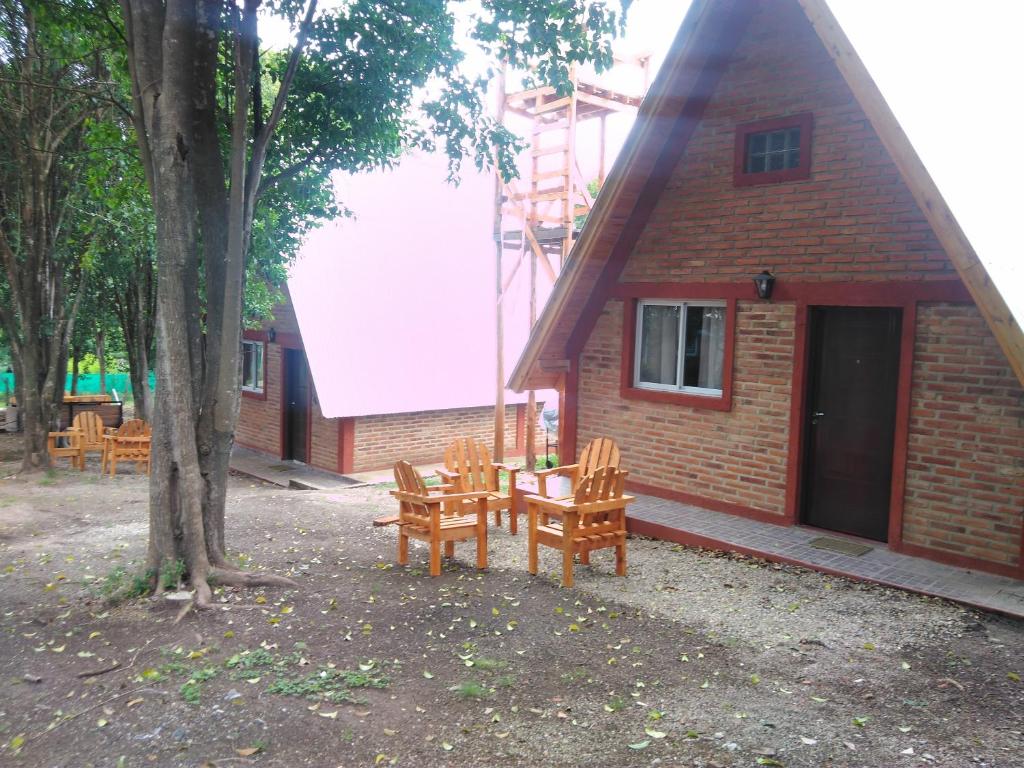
499,244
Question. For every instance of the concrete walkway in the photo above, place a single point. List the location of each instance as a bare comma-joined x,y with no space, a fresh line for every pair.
687,524
287,474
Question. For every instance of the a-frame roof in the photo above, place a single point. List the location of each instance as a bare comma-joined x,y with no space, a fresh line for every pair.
686,82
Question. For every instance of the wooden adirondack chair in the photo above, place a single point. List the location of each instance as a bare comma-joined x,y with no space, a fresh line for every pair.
599,452
437,517
129,442
84,436
468,468
594,518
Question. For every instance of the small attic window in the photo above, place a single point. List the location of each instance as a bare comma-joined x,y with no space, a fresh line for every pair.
773,151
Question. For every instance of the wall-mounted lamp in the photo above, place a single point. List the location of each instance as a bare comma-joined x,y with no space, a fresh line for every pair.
271,335
764,282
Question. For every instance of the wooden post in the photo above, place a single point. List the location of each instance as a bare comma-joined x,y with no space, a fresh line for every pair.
568,205
531,401
499,403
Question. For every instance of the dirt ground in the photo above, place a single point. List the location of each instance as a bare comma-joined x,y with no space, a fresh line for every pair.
694,659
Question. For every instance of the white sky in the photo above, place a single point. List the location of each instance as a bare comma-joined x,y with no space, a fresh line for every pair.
953,73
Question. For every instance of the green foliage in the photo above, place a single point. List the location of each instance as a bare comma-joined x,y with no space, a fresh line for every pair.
191,689
471,689
333,685
119,585
171,574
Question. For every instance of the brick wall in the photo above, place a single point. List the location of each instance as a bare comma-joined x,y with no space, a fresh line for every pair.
421,437
259,421
853,220
738,456
965,469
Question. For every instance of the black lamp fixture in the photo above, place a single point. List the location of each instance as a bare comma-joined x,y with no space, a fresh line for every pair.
764,282
271,335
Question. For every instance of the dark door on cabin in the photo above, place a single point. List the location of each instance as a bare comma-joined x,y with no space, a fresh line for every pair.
853,369
296,405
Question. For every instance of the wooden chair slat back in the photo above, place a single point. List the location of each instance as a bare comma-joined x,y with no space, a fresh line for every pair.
600,485
471,460
133,428
599,452
409,481
90,425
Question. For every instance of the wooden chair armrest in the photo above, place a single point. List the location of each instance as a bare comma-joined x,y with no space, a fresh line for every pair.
443,487
447,475
556,470
506,467
469,496
559,505
437,499
66,433
596,507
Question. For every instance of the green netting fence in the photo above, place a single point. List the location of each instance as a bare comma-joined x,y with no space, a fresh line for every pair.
88,384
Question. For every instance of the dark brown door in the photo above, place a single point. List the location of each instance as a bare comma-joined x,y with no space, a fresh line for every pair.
853,372
296,405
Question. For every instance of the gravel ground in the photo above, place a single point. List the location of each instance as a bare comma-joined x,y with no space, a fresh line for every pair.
694,659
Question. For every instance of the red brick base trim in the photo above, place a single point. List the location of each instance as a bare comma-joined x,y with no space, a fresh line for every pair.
714,505
961,561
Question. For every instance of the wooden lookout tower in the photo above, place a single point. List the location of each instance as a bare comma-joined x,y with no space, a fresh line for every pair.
538,216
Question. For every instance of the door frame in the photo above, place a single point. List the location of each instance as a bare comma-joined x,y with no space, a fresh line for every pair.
798,408
296,346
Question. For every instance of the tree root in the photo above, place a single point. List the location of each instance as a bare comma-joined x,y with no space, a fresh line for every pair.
231,577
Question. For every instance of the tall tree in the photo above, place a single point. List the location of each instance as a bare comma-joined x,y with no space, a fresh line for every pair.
212,114
50,80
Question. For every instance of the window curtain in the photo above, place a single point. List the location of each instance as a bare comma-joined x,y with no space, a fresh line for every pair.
712,348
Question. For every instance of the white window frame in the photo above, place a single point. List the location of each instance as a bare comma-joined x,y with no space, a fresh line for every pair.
681,354
262,345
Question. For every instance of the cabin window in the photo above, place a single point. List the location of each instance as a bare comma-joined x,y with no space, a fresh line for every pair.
680,346
773,151
252,366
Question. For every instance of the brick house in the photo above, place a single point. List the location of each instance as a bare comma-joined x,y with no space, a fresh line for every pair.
282,413
876,391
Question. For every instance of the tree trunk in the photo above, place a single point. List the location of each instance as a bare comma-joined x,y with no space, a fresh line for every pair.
76,354
102,358
195,415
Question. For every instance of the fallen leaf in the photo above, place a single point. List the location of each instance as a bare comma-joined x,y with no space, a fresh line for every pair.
428,675
654,734
808,742
331,715
248,751
641,744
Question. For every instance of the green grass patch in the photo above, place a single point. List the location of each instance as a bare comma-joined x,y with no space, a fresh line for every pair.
328,684
471,689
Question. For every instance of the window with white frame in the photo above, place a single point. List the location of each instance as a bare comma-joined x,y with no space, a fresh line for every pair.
252,366
680,346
